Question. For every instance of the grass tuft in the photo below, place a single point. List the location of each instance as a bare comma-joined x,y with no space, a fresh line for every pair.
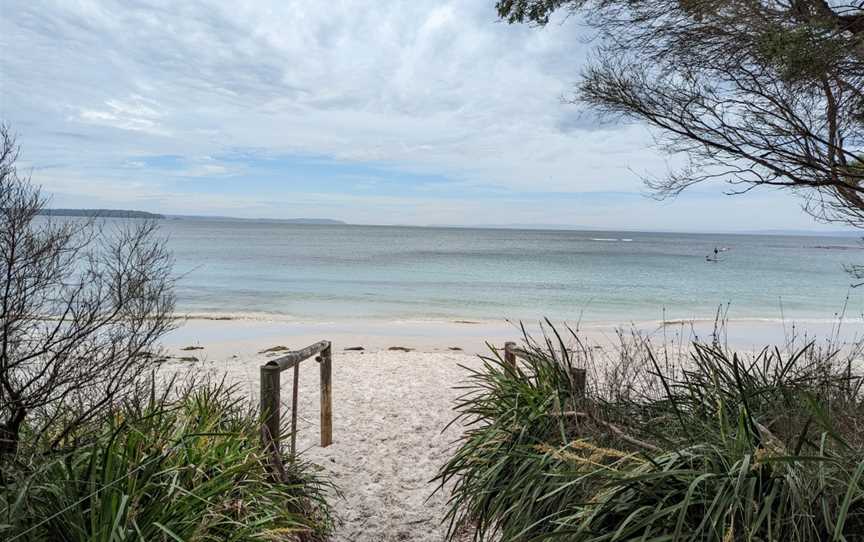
699,444
180,464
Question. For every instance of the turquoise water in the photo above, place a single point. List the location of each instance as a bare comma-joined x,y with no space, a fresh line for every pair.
321,273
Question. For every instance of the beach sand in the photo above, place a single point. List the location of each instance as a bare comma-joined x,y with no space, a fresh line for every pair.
245,337
391,408
390,411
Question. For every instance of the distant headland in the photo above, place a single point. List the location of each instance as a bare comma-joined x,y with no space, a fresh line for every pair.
318,221
100,213
125,213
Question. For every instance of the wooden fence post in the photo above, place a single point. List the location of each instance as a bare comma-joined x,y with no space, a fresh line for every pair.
326,396
270,403
510,353
294,393
579,381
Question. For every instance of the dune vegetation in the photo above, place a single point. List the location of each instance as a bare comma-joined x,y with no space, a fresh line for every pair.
172,462
699,443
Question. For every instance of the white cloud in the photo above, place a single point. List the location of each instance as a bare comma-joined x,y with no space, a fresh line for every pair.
135,114
425,86
365,79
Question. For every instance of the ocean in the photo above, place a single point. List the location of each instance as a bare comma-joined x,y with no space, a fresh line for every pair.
319,273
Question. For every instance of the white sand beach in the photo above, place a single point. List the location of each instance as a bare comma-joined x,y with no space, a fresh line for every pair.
245,336
390,411
391,407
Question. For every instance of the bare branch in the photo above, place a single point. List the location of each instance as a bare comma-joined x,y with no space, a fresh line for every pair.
759,93
82,307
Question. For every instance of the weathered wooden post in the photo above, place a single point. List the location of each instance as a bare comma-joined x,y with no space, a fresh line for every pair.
579,381
294,394
510,353
326,396
270,406
270,400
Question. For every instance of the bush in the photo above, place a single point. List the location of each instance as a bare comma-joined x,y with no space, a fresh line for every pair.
83,304
182,464
709,446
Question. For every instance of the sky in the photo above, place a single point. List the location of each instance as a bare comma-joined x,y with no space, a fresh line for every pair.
373,112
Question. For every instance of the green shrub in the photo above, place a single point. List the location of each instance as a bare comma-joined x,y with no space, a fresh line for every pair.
185,464
709,446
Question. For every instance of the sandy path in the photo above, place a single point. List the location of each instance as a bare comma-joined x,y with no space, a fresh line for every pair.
388,426
390,409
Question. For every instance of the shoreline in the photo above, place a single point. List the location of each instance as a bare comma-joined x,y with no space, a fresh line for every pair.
468,320
222,339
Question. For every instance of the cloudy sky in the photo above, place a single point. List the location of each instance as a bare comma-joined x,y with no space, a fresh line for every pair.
387,112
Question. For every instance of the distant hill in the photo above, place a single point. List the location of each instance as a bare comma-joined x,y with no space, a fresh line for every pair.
319,221
100,213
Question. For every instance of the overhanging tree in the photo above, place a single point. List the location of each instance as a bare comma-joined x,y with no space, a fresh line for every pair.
752,92
81,310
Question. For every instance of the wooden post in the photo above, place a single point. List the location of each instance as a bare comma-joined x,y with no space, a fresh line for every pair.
270,406
510,353
578,376
270,399
326,397
294,393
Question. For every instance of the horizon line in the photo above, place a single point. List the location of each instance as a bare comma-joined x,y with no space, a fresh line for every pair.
312,221
526,227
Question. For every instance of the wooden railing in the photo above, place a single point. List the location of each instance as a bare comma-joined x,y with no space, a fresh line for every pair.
271,400
578,376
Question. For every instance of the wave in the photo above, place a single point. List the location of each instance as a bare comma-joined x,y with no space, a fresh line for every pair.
287,318
836,247
611,239
234,316
763,320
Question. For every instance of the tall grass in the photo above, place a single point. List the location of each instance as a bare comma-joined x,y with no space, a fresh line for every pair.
181,464
705,444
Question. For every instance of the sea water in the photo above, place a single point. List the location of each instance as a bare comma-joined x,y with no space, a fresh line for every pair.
256,269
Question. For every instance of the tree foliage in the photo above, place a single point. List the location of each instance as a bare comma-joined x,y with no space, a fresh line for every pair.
82,305
753,92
